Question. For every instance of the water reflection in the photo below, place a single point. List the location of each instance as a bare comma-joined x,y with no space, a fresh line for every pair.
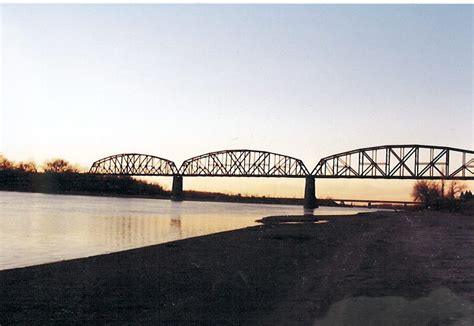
175,225
130,231
39,228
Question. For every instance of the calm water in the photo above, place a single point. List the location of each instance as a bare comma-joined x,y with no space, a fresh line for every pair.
40,228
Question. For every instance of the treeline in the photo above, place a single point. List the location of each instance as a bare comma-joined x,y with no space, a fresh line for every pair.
441,194
59,176
220,197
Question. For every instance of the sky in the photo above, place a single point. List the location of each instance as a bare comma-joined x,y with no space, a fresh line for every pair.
83,82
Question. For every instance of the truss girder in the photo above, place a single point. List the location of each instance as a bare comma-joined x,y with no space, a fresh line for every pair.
382,162
244,163
399,162
134,164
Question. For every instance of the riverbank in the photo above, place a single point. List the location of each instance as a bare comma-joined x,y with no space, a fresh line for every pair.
413,267
85,184
189,196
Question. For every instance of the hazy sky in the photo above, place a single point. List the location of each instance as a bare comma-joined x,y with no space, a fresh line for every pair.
85,81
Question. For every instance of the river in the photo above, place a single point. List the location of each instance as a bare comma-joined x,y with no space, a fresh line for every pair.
40,228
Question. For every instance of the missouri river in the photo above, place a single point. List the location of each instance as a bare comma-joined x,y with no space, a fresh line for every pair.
40,228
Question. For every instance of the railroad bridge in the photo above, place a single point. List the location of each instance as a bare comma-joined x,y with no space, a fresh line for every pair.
413,162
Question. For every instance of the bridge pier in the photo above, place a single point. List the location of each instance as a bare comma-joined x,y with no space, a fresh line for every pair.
177,188
310,200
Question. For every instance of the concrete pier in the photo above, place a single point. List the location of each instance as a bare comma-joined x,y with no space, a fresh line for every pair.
310,200
177,188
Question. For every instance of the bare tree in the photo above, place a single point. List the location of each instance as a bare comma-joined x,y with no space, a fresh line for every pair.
6,164
59,166
442,187
27,166
426,192
455,188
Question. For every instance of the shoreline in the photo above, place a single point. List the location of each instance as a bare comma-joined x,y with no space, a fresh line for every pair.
246,200
263,275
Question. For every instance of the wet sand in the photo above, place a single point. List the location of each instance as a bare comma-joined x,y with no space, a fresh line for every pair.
380,268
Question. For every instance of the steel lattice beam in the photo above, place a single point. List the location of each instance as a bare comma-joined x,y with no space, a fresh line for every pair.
244,163
381,162
134,164
399,162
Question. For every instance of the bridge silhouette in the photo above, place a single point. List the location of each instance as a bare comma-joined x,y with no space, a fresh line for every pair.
413,162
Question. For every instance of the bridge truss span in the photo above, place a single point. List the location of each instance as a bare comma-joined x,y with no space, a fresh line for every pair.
134,164
399,162
244,163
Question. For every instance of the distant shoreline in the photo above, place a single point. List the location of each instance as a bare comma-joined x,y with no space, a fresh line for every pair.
84,184
73,183
223,199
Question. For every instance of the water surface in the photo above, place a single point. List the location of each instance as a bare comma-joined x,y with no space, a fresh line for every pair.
40,228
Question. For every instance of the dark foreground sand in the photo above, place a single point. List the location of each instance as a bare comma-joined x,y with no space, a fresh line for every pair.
372,269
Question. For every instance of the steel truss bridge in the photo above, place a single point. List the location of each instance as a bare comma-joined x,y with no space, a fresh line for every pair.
413,162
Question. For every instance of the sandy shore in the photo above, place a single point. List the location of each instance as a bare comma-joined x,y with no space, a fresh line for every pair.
371,269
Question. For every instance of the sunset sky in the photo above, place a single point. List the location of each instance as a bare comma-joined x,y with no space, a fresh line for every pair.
83,82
